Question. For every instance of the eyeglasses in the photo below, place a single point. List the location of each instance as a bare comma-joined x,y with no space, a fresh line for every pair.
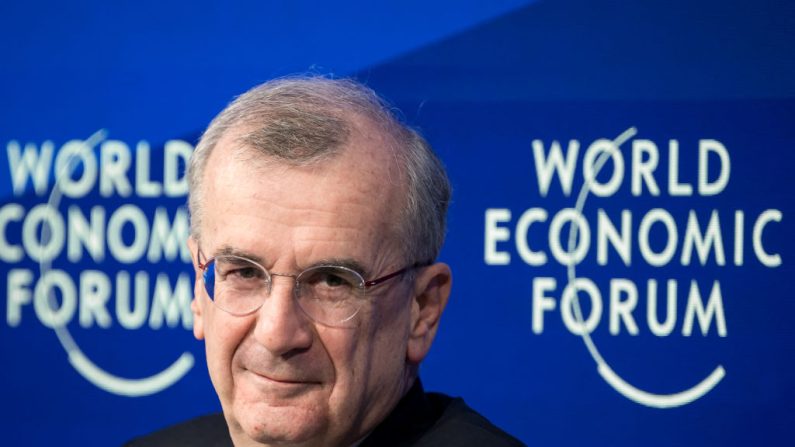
329,294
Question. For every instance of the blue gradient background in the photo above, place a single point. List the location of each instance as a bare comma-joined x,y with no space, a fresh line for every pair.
481,80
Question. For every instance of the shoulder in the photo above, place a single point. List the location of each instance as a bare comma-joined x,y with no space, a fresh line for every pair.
460,425
209,430
432,419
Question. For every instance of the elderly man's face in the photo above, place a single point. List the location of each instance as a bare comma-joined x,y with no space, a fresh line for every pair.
280,376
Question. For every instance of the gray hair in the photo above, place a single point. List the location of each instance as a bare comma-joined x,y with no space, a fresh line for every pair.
299,120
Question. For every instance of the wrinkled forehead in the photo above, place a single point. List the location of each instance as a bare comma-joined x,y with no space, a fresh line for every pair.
360,182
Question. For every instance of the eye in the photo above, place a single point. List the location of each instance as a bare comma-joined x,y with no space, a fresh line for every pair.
330,284
247,272
234,269
330,279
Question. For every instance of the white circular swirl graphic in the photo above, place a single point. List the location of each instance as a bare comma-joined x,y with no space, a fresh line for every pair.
79,361
625,388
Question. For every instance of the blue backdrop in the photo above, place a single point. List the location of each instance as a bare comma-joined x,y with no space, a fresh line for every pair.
639,152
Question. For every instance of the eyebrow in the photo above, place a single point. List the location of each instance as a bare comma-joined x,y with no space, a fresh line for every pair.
344,262
228,250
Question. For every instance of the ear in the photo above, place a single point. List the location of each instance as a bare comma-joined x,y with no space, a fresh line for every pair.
430,294
198,291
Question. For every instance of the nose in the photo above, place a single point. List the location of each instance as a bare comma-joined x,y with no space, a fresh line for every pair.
281,326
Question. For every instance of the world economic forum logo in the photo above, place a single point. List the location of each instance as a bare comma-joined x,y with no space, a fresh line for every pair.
84,214
654,232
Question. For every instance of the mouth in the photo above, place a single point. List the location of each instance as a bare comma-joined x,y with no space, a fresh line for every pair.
282,380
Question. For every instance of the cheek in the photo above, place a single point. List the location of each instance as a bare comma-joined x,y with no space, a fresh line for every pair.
370,365
391,341
391,336
342,347
373,353
222,338
392,320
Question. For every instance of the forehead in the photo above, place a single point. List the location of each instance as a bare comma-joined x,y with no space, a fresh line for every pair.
354,195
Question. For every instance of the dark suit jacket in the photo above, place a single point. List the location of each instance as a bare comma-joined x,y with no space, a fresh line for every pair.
419,420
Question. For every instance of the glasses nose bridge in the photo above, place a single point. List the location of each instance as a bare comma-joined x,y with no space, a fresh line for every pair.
295,284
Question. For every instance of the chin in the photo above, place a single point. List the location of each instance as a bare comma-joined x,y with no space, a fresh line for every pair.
282,425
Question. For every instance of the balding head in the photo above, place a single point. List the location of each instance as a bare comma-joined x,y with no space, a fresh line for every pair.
304,120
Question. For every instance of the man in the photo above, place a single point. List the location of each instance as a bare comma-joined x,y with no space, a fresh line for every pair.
316,221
